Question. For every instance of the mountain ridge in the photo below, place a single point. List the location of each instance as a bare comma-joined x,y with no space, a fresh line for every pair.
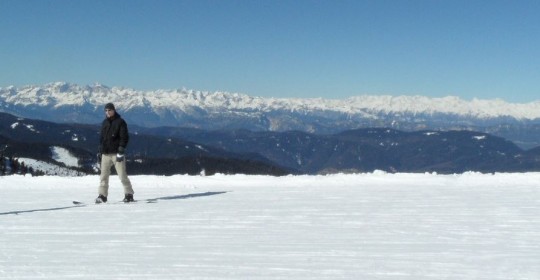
186,150
63,102
60,94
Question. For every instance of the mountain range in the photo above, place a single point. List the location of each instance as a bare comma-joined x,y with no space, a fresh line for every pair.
70,103
186,131
176,150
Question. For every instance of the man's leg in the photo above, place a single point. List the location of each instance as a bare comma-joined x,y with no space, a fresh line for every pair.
122,174
107,162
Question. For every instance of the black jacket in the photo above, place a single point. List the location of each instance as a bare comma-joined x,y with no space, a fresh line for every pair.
114,134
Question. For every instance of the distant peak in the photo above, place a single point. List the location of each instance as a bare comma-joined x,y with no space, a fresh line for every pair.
98,84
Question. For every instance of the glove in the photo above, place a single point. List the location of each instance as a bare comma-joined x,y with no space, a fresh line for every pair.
98,155
120,154
119,158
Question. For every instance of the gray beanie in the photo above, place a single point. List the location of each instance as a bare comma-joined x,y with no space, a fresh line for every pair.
109,106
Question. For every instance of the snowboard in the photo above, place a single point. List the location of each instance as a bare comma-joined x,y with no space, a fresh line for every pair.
82,203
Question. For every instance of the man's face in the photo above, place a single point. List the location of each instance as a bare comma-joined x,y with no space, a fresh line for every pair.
109,113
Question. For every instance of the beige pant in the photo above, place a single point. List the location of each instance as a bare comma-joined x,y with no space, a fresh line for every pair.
107,161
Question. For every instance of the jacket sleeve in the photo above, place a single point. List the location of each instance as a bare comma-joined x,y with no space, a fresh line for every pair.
101,138
124,135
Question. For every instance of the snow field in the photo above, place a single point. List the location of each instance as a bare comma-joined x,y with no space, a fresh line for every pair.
363,226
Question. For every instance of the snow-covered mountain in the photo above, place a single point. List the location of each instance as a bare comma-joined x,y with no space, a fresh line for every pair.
61,94
65,102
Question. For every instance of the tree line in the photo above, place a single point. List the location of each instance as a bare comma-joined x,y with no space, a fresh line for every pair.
10,165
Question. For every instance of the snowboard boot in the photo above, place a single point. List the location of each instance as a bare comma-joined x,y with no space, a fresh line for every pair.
101,199
128,198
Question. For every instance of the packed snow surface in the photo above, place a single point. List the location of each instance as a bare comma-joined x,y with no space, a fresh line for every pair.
362,226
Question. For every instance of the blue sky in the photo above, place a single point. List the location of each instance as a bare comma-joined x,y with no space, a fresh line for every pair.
331,49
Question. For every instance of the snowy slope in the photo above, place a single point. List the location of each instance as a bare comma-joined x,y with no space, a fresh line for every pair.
49,168
64,156
364,226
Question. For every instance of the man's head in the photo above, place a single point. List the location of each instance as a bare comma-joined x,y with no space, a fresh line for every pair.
109,110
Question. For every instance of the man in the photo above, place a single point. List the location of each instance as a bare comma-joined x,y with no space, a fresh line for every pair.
112,146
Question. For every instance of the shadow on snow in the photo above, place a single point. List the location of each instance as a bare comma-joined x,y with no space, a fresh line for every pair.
185,196
38,210
150,200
